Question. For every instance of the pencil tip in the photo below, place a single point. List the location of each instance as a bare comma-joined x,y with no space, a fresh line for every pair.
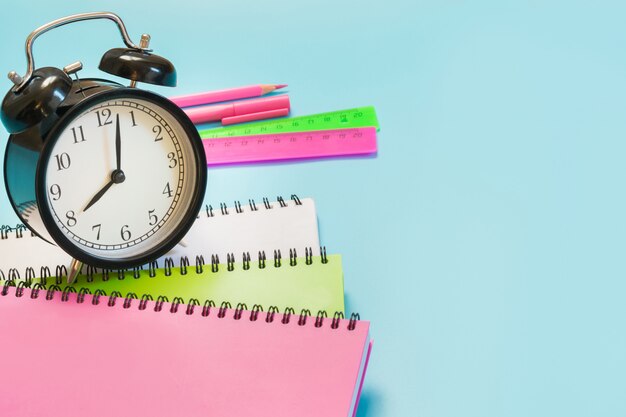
280,86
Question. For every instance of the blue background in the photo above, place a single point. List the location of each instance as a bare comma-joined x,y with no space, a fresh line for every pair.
486,241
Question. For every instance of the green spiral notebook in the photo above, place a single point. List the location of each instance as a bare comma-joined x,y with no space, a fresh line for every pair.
314,283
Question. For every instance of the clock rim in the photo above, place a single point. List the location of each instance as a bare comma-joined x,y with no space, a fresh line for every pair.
192,208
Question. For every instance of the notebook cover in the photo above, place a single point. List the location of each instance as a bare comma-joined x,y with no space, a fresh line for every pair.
315,284
79,359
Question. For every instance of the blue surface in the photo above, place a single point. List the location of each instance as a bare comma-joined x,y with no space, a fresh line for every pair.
486,241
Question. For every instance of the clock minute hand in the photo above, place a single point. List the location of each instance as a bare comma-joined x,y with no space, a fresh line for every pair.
118,143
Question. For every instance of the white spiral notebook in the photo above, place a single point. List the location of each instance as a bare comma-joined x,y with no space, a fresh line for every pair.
251,227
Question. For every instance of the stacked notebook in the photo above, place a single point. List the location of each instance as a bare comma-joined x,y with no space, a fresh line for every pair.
246,318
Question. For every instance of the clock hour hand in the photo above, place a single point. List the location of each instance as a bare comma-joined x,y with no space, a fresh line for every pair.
99,195
117,177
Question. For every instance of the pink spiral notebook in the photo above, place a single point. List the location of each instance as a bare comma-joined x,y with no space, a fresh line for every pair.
66,356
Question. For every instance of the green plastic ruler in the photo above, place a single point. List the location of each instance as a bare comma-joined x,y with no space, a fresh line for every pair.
341,119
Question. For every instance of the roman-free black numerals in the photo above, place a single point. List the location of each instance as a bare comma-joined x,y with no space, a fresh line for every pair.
173,161
104,117
126,235
97,227
132,117
55,191
158,131
167,190
108,155
79,134
153,218
63,161
71,218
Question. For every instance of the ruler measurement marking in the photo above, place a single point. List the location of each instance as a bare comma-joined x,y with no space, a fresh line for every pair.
353,118
285,146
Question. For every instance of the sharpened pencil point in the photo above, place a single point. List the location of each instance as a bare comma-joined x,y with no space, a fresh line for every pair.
280,86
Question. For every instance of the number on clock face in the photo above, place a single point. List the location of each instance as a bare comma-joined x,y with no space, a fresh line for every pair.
117,175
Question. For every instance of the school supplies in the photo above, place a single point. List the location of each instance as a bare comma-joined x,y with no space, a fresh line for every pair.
250,227
125,356
241,111
341,119
286,146
308,282
225,95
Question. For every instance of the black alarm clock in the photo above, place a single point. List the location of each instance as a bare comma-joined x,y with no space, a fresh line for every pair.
114,175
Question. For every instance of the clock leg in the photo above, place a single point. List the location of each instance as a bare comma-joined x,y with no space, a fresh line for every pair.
75,267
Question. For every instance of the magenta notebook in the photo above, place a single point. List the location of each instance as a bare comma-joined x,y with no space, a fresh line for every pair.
120,357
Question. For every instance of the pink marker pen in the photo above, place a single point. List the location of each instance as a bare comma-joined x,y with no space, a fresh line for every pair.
241,111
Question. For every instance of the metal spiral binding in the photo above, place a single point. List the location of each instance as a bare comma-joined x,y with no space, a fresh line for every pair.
80,298
152,267
137,271
95,299
168,264
252,204
50,292
177,301
61,271
144,301
129,299
206,308
254,313
6,230
191,305
18,230
60,274
158,305
199,264
230,262
319,320
246,261
14,275
113,298
19,291
66,293
287,315
223,307
215,263
29,276
296,200
336,319
189,309
271,312
34,292
239,310
184,263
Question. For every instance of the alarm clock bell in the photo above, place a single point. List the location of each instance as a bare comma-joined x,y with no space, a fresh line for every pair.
39,101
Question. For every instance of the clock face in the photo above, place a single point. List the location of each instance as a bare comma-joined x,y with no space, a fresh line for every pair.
121,179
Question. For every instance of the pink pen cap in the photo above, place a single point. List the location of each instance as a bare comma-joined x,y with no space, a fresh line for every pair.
240,111
251,117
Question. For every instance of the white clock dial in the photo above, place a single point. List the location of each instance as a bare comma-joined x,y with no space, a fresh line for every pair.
113,211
